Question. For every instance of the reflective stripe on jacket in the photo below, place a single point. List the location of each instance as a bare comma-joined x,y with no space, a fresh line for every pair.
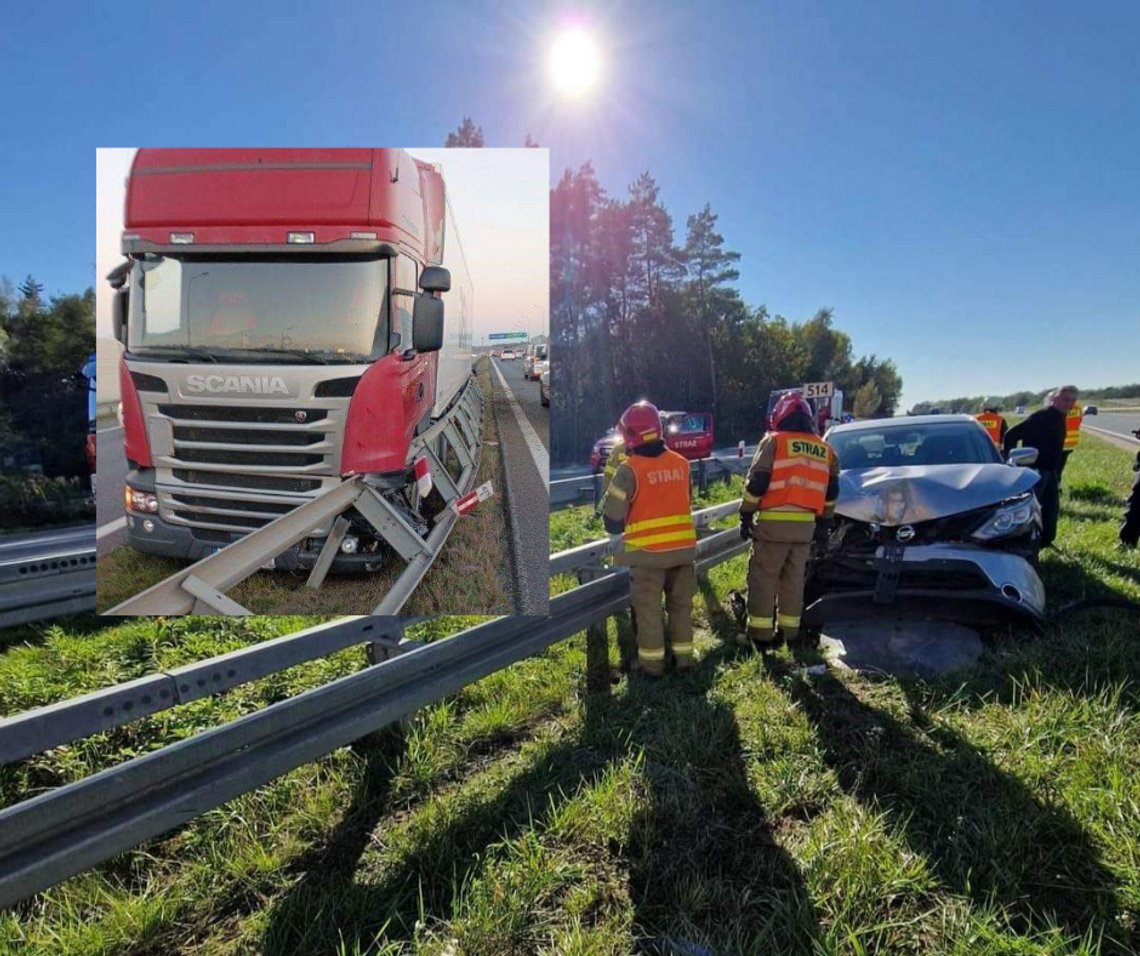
991,422
1073,428
799,473
659,516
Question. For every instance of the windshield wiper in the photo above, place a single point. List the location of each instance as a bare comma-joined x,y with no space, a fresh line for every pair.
184,351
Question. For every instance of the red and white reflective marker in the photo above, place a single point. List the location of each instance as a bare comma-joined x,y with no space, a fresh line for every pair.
423,476
468,502
740,449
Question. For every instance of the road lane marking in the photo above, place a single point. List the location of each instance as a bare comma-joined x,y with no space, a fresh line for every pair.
1105,431
533,443
111,527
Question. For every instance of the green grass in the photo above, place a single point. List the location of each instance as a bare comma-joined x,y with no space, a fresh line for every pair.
471,574
746,808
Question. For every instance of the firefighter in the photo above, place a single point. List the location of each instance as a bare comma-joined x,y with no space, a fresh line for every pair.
649,504
992,421
1073,419
616,457
789,497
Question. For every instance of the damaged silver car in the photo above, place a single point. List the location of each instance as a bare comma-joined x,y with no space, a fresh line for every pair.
930,521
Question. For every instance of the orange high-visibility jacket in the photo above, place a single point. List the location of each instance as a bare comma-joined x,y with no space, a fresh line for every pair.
991,422
1073,428
659,518
800,472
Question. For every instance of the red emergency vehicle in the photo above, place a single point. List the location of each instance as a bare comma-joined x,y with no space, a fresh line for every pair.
283,317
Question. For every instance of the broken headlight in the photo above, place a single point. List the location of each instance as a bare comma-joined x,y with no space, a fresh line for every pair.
1011,517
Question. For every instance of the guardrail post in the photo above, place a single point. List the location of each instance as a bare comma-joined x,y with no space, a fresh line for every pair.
597,642
702,476
389,643
597,491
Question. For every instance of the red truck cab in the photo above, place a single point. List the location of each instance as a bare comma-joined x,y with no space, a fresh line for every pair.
282,317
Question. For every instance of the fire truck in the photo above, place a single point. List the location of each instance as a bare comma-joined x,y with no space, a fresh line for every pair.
282,312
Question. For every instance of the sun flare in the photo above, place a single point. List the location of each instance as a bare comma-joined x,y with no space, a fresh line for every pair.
575,62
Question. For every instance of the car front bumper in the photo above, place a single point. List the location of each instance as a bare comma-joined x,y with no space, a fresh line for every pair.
955,582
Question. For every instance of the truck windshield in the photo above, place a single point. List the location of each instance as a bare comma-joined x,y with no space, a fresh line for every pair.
332,309
686,424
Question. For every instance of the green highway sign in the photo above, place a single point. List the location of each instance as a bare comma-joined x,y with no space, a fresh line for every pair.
507,335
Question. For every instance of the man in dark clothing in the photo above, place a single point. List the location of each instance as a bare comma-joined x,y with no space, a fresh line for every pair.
1045,431
1130,526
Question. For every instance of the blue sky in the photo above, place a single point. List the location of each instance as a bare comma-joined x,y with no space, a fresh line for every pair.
961,182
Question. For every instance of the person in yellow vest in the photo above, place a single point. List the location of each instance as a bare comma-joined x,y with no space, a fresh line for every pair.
789,499
992,421
649,503
1073,419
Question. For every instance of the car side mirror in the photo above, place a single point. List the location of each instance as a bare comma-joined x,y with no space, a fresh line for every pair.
427,324
1023,457
119,315
435,279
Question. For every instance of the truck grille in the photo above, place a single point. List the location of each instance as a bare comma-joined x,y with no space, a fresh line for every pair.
227,465
251,436
274,459
230,413
256,482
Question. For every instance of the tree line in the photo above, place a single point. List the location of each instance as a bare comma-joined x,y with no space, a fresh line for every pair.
972,405
635,315
44,344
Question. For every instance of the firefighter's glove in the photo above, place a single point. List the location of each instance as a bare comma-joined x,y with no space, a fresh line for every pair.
822,533
746,519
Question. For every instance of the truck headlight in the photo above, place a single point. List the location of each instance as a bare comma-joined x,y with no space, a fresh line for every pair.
1010,517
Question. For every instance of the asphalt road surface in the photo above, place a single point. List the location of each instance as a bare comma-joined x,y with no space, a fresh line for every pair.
111,469
1119,423
524,436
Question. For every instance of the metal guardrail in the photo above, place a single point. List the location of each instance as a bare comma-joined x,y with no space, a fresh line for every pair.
47,575
37,730
50,837
584,490
200,588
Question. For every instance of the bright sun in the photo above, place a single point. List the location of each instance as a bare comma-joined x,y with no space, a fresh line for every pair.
574,62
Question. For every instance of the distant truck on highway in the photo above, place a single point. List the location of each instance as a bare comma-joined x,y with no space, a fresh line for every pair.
284,330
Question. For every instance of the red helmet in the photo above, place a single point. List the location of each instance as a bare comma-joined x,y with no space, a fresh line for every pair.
640,424
785,405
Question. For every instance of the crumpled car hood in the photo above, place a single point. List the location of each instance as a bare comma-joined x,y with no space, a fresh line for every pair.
914,493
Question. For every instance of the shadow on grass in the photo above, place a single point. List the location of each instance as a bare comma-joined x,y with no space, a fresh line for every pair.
706,871
81,625
702,860
982,831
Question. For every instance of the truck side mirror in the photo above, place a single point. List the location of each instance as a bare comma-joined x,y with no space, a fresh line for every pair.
427,323
119,315
435,279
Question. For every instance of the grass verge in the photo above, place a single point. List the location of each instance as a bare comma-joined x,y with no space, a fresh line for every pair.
469,575
748,807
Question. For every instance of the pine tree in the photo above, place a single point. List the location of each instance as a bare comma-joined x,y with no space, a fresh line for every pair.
30,289
468,135
710,266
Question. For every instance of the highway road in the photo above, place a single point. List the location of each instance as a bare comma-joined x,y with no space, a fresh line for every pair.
524,436
111,468
1118,423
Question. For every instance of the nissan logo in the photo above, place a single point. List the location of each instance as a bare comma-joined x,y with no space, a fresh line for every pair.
905,533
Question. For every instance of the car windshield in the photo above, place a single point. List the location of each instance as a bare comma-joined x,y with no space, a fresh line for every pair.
329,309
949,443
